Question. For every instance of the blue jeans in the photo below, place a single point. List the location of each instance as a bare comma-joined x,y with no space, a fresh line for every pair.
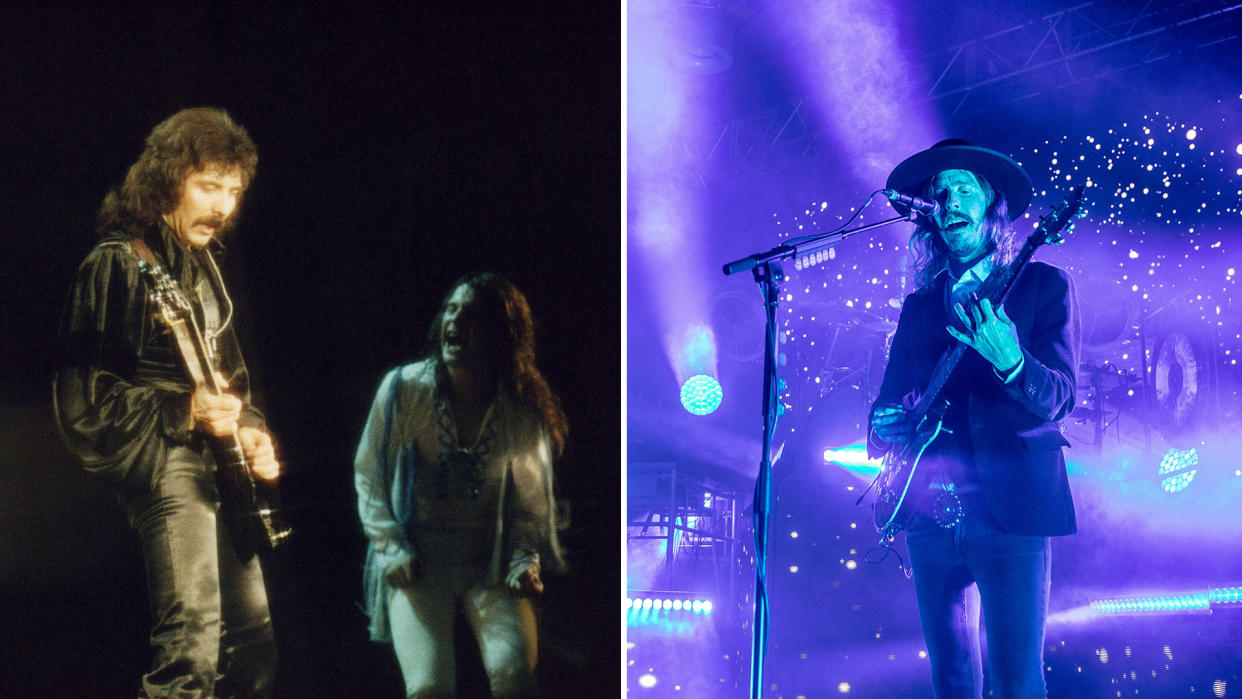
974,564
210,626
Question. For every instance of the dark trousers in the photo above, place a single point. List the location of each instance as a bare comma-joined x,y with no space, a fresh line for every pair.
210,627
972,565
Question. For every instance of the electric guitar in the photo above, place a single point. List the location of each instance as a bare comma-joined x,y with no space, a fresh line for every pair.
901,484
248,506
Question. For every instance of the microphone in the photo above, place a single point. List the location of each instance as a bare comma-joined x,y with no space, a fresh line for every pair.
927,208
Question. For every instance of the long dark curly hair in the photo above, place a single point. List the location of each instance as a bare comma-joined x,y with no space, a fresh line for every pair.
928,250
503,309
184,143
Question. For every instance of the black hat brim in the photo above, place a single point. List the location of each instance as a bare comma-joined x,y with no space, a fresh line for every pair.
1002,172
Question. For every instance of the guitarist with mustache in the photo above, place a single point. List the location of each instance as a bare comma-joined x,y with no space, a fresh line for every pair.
999,487
127,409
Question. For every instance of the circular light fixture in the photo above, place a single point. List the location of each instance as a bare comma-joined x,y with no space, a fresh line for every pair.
701,394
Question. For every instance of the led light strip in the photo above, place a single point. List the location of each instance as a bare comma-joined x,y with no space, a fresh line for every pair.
637,605
1187,602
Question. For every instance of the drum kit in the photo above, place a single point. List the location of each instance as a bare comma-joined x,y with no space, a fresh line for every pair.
831,399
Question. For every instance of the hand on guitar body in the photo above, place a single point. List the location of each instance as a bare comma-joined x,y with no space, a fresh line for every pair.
260,452
891,423
217,413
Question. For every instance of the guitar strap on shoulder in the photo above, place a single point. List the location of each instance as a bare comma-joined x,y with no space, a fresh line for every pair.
144,251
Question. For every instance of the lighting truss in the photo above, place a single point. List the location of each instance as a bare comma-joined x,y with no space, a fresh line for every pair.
1085,42
761,142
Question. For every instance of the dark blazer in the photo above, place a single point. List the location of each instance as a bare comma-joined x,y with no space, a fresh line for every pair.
1014,428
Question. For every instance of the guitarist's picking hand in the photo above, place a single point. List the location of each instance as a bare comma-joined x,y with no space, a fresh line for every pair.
990,333
890,423
260,453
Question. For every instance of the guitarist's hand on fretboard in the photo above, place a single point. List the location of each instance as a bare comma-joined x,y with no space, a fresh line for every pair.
260,453
988,332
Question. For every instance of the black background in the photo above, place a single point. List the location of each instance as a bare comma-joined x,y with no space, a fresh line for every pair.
400,147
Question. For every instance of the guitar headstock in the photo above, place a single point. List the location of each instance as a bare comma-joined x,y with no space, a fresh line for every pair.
1058,221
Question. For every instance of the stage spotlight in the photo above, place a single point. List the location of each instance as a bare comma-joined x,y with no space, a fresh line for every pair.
668,604
1177,467
701,394
854,459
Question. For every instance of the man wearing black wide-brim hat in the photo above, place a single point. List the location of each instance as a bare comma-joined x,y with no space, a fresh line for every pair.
998,485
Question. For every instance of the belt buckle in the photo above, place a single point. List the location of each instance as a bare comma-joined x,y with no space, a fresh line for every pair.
948,511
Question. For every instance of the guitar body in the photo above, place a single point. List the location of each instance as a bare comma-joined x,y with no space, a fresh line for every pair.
902,485
250,509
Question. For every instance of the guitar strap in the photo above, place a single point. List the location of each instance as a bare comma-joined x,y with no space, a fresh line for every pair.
144,251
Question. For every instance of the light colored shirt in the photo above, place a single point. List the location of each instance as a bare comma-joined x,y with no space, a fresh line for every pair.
398,459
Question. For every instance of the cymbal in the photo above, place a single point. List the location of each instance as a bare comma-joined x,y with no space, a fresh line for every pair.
880,325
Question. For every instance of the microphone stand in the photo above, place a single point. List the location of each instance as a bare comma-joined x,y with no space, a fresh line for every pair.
768,275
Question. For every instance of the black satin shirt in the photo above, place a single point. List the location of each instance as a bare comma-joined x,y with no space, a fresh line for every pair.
121,393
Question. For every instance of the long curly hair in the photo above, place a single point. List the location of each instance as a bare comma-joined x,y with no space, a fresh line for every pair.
928,250
186,142
502,306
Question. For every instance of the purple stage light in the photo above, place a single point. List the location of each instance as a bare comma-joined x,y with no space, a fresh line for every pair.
666,110
854,71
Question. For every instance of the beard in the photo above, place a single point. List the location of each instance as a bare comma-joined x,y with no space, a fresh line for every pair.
964,241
